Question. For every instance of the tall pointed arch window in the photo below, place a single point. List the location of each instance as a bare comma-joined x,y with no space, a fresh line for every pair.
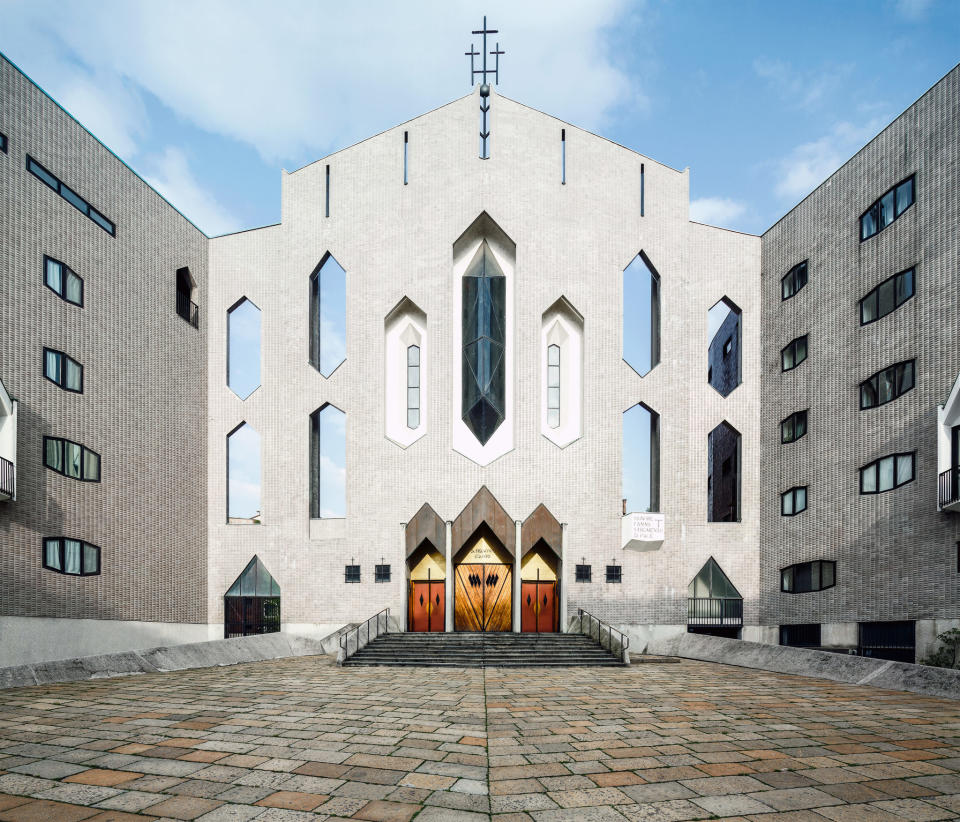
328,316
484,342
641,315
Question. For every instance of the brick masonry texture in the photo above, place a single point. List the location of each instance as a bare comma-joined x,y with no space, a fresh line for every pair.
896,556
144,402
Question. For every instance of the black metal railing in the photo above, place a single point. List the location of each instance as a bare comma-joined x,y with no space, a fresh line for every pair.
188,309
948,490
714,611
8,479
362,634
597,629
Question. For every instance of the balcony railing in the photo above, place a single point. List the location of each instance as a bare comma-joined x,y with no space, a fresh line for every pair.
188,309
948,491
8,479
714,611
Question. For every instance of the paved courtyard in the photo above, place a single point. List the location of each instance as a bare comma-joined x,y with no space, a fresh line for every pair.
301,739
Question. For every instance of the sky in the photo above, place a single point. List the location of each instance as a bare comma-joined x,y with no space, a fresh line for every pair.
209,99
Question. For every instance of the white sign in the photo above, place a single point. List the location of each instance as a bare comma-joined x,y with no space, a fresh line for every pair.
647,527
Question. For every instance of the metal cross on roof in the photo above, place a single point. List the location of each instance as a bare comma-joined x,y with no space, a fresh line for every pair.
473,53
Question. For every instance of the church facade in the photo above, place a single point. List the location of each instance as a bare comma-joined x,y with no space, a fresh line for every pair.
495,384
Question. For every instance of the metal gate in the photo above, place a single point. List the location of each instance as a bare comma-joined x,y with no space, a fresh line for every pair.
246,616
888,640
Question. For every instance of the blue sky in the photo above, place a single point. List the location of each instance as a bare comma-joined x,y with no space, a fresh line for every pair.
209,99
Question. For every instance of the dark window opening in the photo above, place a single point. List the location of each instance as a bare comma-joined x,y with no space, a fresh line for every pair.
406,143
614,573
888,640
888,384
351,573
69,195
713,600
584,573
641,188
327,194
71,459
724,355
186,308
63,370
794,353
723,474
72,557
887,297
800,636
793,427
563,156
3,143
62,281
805,577
887,473
793,501
887,209
793,281
381,573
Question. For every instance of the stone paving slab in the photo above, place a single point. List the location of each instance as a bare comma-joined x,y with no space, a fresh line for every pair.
300,739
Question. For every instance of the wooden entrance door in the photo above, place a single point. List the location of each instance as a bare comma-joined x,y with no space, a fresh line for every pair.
483,598
538,607
427,611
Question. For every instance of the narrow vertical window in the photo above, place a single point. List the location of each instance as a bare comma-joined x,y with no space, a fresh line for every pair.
553,386
723,474
62,281
328,463
640,459
641,315
406,142
186,288
413,386
328,316
243,348
243,476
327,194
723,351
641,189
563,156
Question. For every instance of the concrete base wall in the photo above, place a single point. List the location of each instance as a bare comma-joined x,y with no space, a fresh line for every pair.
879,673
25,640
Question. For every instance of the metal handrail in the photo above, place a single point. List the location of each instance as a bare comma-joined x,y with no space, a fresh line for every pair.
345,637
624,639
948,487
715,611
8,478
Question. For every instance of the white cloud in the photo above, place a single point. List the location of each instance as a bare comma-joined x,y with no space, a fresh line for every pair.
302,77
811,163
169,173
801,89
720,211
913,10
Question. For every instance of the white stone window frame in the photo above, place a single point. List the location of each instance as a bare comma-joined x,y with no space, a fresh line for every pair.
562,325
405,326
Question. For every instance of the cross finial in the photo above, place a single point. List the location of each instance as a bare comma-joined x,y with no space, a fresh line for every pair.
473,53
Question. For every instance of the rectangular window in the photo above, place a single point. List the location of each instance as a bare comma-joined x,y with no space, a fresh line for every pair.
62,281
888,384
69,195
406,142
327,194
887,208
614,573
794,353
351,573
887,473
800,636
583,573
71,556
71,459
381,573
553,386
793,501
793,280
887,297
806,577
63,370
563,157
3,143
793,427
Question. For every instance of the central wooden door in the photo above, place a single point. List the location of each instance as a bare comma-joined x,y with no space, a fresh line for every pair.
427,611
538,607
483,597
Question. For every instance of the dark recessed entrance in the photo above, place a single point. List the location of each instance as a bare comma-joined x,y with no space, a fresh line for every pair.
252,605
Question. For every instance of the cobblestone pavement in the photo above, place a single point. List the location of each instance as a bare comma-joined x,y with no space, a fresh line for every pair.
301,739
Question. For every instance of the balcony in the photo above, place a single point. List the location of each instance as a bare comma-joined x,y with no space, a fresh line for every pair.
948,490
8,480
704,611
188,309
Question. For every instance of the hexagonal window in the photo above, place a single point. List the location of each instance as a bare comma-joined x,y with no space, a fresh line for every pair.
641,315
724,350
243,348
328,316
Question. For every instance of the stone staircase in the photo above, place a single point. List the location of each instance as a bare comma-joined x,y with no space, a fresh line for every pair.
478,650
